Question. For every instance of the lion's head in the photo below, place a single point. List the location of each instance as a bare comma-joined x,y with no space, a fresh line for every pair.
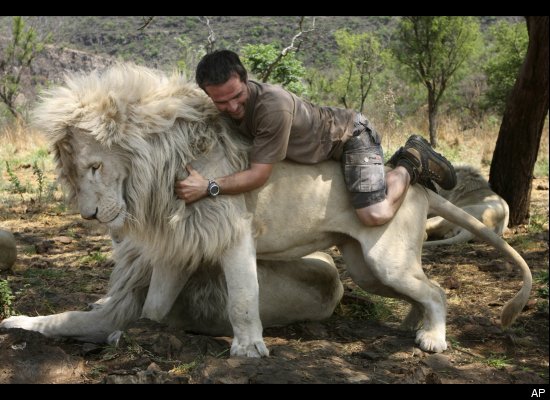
469,178
120,138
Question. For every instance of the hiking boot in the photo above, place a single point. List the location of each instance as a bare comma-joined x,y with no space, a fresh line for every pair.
425,165
393,162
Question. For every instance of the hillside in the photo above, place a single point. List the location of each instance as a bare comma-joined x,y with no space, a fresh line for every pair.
157,46
83,43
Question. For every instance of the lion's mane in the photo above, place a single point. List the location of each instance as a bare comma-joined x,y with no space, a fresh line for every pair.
469,178
156,124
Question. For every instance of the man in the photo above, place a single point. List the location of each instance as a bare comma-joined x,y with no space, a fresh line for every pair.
281,125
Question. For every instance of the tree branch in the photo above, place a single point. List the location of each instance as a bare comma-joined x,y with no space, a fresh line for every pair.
291,47
211,35
146,22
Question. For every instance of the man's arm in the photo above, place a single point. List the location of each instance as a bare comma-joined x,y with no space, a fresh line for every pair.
194,187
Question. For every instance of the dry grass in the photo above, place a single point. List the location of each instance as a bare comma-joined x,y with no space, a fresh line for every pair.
19,138
472,146
22,189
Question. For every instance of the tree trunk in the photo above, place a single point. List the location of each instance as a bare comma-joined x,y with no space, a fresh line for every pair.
519,137
16,114
432,118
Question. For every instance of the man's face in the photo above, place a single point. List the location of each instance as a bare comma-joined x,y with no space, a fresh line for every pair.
229,97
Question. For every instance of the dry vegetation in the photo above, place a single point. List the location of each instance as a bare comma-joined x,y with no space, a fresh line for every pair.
63,264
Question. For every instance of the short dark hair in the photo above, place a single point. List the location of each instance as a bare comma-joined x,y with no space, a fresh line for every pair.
218,67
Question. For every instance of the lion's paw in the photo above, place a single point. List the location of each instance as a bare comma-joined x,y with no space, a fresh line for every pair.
431,341
18,321
256,349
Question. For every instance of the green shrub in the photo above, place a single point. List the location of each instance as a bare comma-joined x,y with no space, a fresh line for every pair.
6,297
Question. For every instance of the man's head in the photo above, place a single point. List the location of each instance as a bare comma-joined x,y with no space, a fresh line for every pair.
217,67
223,77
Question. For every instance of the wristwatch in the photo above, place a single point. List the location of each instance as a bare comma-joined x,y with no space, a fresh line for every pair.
213,188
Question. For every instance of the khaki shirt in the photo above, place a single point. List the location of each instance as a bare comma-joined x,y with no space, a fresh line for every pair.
281,125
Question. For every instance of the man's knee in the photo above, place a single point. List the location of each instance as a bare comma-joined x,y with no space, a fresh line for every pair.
374,215
368,199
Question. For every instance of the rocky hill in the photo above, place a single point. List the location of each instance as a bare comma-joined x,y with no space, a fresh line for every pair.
51,65
54,62
82,43
157,44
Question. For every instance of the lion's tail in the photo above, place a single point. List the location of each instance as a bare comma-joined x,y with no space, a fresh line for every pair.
445,209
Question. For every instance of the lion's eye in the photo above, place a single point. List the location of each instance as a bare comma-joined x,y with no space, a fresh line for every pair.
95,167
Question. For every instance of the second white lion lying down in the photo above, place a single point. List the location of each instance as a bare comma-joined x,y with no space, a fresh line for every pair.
472,194
305,289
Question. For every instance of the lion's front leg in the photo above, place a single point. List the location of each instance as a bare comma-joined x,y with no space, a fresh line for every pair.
165,286
89,326
239,267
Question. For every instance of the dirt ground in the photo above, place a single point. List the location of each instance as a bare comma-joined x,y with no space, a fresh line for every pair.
63,265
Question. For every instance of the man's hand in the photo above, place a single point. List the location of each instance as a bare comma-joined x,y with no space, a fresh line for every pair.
192,188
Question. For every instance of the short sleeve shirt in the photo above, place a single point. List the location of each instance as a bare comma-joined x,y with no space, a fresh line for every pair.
281,125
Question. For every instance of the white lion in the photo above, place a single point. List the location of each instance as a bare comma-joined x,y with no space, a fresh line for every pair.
473,195
121,138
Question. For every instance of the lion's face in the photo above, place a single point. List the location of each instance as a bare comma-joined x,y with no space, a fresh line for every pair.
98,179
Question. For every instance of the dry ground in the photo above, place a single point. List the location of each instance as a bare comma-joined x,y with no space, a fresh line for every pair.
63,264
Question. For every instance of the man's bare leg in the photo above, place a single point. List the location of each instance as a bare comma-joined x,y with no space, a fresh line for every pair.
397,184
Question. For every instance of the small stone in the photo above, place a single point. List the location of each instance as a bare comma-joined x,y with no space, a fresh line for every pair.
63,239
154,367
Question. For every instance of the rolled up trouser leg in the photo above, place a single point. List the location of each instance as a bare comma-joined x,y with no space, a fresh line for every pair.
363,164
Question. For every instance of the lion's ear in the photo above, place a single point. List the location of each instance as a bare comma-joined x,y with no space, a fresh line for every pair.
110,107
114,118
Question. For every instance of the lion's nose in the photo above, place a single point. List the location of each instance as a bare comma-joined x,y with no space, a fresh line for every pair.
89,215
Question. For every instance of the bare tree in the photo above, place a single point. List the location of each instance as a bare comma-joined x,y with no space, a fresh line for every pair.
294,45
211,39
360,57
519,137
15,60
434,48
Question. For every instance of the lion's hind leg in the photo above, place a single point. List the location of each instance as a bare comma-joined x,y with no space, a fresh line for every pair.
305,289
429,307
431,337
399,275
361,274
413,320
427,298
440,228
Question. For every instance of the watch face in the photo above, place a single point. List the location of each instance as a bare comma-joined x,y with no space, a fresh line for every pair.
213,189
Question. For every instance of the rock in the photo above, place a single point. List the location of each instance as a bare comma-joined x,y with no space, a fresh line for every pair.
63,239
438,362
8,250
